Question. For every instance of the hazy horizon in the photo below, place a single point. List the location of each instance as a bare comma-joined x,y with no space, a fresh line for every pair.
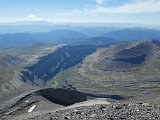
81,11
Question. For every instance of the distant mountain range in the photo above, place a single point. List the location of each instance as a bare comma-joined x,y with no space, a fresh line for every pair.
72,37
98,41
54,37
44,26
133,34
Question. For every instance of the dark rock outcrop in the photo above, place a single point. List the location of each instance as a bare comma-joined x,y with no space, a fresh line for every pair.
53,98
62,96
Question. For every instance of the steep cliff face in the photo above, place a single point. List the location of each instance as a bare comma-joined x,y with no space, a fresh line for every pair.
47,67
13,60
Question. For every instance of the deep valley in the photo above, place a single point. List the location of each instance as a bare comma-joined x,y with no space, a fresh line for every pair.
100,68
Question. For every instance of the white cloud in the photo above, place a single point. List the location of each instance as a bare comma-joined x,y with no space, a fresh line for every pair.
100,1
33,18
138,6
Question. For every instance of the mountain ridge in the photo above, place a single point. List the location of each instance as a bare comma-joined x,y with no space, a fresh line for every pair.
133,34
113,70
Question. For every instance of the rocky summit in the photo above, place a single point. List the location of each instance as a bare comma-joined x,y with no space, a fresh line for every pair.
123,111
62,104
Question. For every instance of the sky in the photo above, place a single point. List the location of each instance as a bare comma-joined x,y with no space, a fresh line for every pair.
81,11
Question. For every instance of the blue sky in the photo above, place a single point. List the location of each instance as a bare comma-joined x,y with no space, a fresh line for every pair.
77,11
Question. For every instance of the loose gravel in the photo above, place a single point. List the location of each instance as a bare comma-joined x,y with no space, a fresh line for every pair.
116,111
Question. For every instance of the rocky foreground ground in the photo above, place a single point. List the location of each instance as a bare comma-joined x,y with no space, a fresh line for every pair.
48,104
123,111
